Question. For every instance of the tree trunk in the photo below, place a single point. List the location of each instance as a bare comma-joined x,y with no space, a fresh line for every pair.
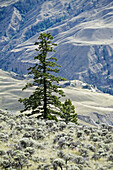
45,91
45,100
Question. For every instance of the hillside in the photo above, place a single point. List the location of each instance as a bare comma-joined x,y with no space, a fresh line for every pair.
82,29
30,144
93,107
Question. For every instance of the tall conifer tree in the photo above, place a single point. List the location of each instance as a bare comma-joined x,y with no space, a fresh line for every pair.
44,102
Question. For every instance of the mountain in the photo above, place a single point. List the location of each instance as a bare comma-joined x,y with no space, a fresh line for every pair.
82,29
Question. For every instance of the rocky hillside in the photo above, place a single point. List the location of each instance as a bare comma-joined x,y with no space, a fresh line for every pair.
83,30
30,144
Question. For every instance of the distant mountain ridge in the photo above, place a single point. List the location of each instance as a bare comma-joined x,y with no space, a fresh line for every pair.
82,29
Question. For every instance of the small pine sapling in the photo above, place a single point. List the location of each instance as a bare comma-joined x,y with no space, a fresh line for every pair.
68,112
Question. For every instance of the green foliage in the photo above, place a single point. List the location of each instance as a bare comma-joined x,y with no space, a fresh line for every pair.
68,111
44,102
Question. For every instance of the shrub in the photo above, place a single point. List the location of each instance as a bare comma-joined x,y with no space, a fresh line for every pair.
50,123
79,134
94,137
29,128
46,166
78,160
3,118
30,150
20,159
110,157
74,167
104,132
104,126
2,152
62,142
6,164
19,127
26,142
61,125
4,137
58,163
96,156
83,152
106,141
100,151
54,128
91,147
87,131
27,134
11,122
38,134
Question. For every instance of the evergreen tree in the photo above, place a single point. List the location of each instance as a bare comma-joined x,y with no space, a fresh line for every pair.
68,112
43,102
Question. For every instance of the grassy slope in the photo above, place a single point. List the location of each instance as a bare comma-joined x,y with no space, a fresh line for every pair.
86,102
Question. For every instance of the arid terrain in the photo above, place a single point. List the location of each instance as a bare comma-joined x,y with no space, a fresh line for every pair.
31,144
